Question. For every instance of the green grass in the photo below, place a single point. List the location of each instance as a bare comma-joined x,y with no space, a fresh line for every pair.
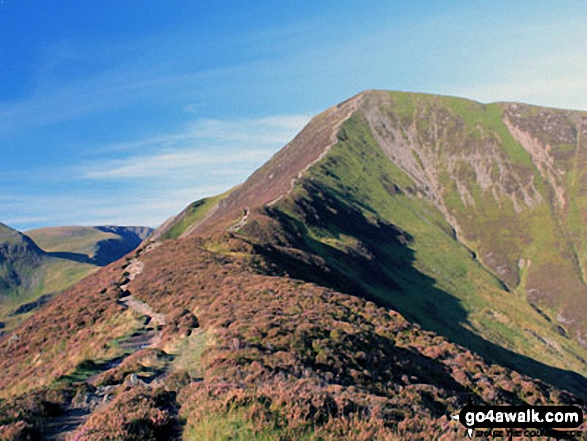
55,275
189,354
489,118
235,425
82,372
229,426
62,273
80,240
194,213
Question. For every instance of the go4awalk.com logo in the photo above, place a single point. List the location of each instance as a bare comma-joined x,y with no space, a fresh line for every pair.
521,421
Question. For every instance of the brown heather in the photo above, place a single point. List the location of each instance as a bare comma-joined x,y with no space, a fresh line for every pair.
289,358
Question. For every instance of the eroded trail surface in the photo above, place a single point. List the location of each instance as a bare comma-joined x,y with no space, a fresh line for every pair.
62,427
59,428
154,320
143,309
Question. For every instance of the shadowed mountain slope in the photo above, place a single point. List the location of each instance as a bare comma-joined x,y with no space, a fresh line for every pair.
19,257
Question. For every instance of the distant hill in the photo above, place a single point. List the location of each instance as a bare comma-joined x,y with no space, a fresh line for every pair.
45,261
94,245
403,255
20,257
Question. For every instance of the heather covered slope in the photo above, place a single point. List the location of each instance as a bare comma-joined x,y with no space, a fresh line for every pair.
277,176
243,353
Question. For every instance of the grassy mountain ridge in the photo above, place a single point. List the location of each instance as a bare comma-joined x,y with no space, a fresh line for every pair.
403,254
479,197
391,262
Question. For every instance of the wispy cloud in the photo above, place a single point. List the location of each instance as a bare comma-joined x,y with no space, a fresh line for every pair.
553,79
269,130
24,220
205,145
145,181
166,163
141,208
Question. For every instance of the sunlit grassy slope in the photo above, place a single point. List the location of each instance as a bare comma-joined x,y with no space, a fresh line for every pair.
81,240
194,213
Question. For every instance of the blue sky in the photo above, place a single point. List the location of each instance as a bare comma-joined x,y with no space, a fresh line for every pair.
123,112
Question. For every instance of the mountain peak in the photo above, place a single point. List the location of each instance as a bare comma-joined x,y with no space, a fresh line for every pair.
492,177
277,177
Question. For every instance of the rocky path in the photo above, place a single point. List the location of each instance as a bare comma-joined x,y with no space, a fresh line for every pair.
133,268
242,222
143,309
60,428
154,320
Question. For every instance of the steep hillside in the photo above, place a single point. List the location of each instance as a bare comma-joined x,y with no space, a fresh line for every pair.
402,254
440,208
21,273
19,257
